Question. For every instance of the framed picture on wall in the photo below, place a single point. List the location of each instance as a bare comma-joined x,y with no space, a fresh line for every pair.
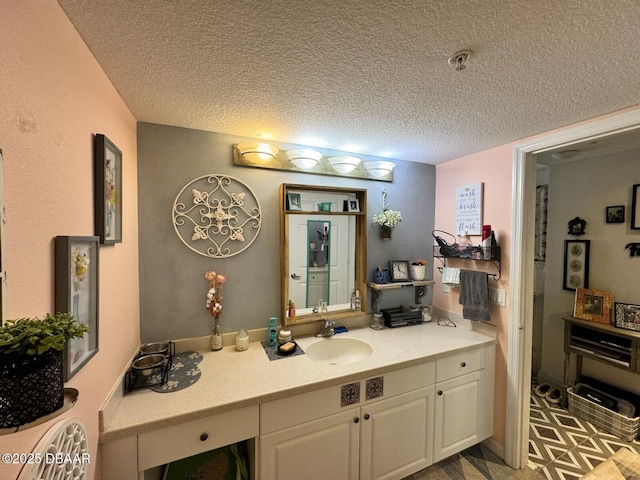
76,286
108,190
615,214
635,207
576,264
593,305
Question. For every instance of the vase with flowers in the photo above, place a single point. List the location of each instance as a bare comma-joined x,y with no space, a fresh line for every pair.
387,219
214,297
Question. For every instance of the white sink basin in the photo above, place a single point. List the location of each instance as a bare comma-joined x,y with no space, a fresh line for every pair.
338,351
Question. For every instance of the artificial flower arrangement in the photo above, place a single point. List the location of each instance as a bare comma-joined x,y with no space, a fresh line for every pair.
214,306
214,295
387,218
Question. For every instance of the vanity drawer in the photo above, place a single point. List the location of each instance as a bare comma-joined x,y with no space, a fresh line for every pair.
459,364
196,436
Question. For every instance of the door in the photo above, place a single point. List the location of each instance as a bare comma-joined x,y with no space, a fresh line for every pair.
396,436
340,269
323,449
457,406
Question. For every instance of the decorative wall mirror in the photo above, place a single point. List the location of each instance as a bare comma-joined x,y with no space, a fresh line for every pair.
323,245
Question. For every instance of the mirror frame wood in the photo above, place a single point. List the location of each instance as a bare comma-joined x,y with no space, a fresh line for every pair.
360,247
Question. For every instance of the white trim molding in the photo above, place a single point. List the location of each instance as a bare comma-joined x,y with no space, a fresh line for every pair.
521,298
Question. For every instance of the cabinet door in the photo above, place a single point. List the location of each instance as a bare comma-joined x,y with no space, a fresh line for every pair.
323,449
458,405
396,435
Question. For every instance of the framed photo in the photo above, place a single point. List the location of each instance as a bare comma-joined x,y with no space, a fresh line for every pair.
77,274
353,205
293,201
576,264
399,270
108,191
627,316
593,305
615,214
635,208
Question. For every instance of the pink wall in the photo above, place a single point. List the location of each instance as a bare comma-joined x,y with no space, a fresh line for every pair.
54,97
494,168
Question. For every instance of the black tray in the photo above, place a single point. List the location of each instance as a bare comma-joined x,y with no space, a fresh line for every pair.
402,316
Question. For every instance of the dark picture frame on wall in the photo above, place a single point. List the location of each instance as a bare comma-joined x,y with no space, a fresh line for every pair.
576,264
107,190
615,214
635,207
77,268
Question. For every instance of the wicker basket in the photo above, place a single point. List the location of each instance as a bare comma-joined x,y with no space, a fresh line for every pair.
31,386
622,427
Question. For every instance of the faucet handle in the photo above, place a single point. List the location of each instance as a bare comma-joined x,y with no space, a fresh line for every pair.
328,323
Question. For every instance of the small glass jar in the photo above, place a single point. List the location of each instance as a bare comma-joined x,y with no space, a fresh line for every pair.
242,340
377,323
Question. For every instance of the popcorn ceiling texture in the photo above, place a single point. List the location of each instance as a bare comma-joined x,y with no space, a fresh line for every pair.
368,72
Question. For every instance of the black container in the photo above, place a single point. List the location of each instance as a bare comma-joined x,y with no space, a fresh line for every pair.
31,386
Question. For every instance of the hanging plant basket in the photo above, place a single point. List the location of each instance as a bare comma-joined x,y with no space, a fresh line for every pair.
385,231
31,386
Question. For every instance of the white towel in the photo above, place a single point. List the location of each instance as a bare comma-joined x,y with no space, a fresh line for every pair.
451,276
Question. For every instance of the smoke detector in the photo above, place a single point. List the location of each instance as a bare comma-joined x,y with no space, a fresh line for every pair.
459,59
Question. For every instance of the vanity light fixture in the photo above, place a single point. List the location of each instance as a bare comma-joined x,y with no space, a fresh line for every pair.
379,169
257,152
344,163
304,158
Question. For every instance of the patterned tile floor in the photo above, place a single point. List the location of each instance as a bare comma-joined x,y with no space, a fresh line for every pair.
564,447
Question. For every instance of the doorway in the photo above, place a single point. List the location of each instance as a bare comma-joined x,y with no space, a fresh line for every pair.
522,270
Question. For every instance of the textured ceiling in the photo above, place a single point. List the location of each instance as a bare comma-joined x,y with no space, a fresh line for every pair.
368,75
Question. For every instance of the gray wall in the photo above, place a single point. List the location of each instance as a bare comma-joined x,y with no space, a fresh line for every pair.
583,189
172,284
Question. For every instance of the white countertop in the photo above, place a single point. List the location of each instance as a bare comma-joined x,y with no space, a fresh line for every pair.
232,379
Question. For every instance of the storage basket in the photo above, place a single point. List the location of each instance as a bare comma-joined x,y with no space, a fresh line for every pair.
622,427
31,386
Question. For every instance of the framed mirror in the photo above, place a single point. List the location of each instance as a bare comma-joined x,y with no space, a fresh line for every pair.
323,245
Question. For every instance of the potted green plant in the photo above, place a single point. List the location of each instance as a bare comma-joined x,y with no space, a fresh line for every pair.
31,379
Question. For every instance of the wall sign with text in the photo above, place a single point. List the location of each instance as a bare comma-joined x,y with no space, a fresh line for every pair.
469,209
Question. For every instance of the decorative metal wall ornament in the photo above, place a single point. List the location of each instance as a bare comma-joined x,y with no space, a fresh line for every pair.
217,216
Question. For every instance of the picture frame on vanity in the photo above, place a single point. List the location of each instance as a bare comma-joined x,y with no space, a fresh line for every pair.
294,202
627,316
353,205
76,291
593,305
107,190
576,264
399,270
615,214
635,207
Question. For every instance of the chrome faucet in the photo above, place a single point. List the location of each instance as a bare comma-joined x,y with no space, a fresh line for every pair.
327,329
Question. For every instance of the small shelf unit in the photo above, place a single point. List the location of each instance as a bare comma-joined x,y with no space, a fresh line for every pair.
473,254
420,287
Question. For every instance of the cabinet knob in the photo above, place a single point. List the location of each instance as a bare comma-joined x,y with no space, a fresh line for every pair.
203,436
463,364
439,392
356,420
367,416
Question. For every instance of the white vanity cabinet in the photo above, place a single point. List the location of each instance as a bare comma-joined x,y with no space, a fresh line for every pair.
463,401
130,457
351,431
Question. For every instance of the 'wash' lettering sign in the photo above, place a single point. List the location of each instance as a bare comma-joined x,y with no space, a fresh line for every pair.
469,209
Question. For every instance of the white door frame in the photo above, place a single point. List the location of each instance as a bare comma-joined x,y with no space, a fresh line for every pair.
521,271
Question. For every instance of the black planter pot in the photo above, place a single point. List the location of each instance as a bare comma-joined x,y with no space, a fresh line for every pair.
31,386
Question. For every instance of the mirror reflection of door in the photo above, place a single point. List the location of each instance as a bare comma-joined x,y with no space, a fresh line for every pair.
319,260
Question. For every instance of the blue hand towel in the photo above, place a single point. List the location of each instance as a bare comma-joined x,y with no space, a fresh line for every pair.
474,295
